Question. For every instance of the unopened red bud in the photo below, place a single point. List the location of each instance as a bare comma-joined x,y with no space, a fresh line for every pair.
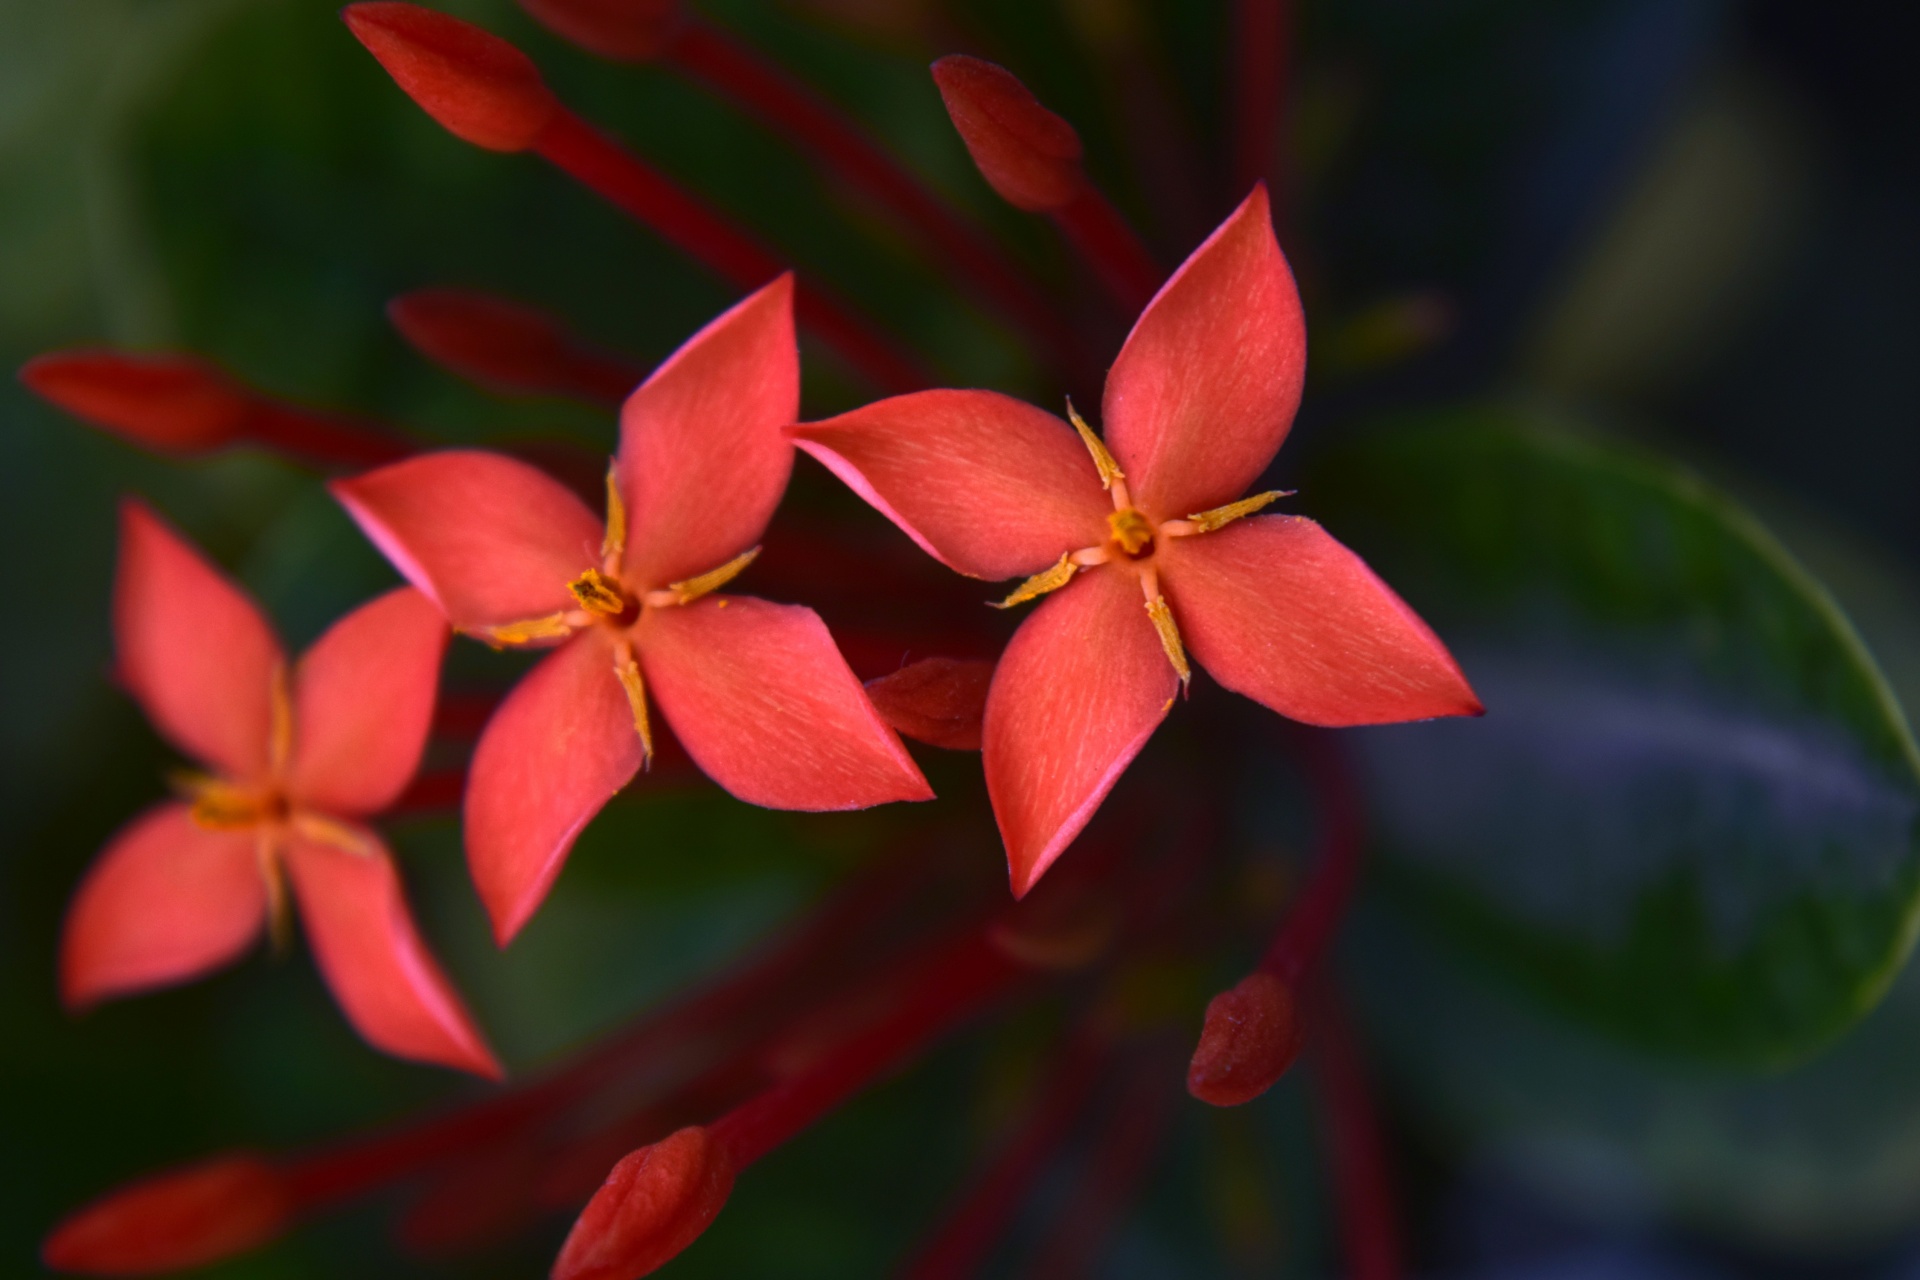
623,30
480,88
175,404
184,1218
1028,154
504,345
938,701
1252,1035
655,1203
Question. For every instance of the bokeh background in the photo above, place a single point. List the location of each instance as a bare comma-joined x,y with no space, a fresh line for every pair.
1697,223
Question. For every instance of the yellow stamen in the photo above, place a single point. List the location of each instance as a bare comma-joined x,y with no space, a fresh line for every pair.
1131,529
713,579
1169,637
1218,517
218,805
599,594
1042,582
614,546
508,634
629,672
279,902
1102,460
333,833
280,720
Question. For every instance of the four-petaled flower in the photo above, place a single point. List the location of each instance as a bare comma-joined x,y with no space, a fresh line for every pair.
295,759
1147,550
757,693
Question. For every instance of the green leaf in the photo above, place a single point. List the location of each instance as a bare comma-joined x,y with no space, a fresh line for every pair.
1691,816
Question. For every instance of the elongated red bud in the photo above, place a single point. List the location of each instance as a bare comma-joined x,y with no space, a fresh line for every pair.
505,345
655,1203
1028,154
623,30
480,88
184,1218
1252,1035
938,701
175,404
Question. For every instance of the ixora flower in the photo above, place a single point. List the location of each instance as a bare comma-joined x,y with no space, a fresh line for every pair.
295,758
1144,545
757,693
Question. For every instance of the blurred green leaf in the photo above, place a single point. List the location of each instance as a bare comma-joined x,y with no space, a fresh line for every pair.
1691,816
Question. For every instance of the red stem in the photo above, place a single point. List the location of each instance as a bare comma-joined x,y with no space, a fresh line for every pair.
1303,938
1111,247
1259,90
649,197
1363,1185
974,262
324,439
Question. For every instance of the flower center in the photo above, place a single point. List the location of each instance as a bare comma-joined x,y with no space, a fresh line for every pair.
219,805
602,596
1132,532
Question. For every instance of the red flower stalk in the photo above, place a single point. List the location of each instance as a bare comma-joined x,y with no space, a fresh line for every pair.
296,758
507,346
175,1221
1363,1183
1196,405
182,405
1260,42
1032,158
485,91
756,692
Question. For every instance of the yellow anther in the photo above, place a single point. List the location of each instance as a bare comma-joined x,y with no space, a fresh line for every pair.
713,579
1169,637
218,805
528,631
600,595
333,833
1208,521
1102,460
280,720
614,545
1131,529
1040,583
629,672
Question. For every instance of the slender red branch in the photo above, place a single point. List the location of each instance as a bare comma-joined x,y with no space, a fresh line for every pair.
1101,235
1259,89
508,347
1303,938
1362,1179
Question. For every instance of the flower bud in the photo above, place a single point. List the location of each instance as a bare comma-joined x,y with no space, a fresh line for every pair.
187,1217
655,1203
504,345
1252,1035
623,30
1028,154
175,404
938,701
480,88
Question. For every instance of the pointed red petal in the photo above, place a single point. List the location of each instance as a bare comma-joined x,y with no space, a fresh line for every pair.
192,648
174,1221
764,703
1277,610
1080,689
166,901
364,940
175,404
489,539
939,701
986,484
1024,151
1206,386
505,345
623,30
362,702
1252,1035
480,88
703,454
556,751
653,1204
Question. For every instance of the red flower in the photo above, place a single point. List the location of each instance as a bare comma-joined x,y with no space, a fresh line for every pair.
295,759
1196,406
756,692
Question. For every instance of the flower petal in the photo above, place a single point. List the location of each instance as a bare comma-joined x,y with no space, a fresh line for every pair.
1080,689
166,901
1275,609
364,940
488,539
362,702
557,749
988,485
193,649
704,456
762,700
1206,386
